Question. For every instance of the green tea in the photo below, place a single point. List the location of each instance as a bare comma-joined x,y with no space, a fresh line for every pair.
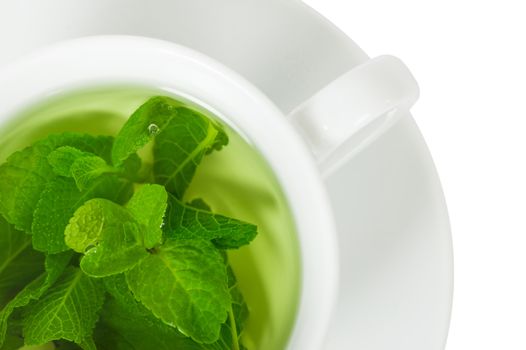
236,182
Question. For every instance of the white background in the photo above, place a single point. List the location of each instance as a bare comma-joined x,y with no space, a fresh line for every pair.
470,60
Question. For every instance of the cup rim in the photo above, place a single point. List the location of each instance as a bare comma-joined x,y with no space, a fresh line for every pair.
98,60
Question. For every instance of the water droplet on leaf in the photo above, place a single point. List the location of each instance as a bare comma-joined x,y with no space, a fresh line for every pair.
153,129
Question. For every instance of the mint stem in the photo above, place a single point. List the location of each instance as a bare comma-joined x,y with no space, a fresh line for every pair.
233,329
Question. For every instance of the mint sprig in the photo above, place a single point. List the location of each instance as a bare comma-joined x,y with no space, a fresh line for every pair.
92,254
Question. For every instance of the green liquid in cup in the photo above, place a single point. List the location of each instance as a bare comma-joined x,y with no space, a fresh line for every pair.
236,182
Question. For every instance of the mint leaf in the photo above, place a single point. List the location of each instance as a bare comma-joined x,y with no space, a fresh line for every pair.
181,145
68,310
182,138
63,158
19,263
115,238
121,328
84,167
109,235
126,324
185,285
183,221
143,125
54,266
87,169
61,198
98,145
25,174
89,222
117,287
102,261
148,206
125,321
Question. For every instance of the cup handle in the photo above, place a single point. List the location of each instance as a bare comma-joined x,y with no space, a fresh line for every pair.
355,109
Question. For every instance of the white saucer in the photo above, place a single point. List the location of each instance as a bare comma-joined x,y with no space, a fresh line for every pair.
395,239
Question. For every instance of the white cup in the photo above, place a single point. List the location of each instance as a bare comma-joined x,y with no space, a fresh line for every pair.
314,140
